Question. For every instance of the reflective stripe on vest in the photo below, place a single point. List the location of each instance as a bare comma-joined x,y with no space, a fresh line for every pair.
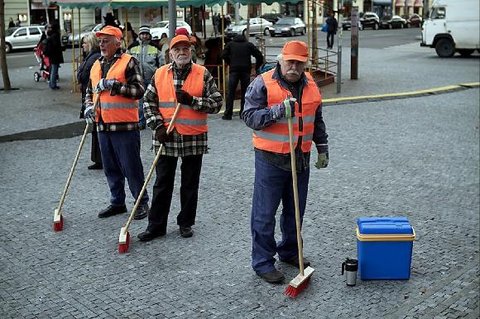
275,137
189,121
114,109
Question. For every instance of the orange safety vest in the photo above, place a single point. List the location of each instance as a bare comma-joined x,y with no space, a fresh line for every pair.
117,108
275,137
188,121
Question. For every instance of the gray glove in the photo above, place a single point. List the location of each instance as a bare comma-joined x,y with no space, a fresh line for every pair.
284,109
89,113
322,159
104,85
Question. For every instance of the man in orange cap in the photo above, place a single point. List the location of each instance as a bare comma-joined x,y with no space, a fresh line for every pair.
111,101
281,93
193,87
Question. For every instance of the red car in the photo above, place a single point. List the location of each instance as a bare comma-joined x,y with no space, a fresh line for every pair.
415,20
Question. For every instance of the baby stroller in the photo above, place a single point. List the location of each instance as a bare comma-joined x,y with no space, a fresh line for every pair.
43,61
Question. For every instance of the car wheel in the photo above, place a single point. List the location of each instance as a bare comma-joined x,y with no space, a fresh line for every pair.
445,48
266,31
465,52
401,26
303,31
375,26
36,76
292,32
8,48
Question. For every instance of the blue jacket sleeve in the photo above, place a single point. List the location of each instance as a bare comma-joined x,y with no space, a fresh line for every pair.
255,114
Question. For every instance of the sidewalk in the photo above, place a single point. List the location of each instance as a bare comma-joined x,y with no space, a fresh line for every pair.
414,157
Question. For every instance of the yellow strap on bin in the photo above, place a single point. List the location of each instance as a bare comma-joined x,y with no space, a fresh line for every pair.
386,237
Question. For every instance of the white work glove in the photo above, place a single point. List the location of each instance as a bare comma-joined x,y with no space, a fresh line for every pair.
104,85
89,113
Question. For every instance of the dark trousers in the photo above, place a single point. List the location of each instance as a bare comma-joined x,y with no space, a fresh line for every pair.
95,154
271,186
233,79
163,189
330,37
121,159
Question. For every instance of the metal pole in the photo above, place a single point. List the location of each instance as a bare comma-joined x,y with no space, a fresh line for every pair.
354,45
172,18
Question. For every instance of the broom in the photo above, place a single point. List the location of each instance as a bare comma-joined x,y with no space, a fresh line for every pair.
124,237
300,282
58,215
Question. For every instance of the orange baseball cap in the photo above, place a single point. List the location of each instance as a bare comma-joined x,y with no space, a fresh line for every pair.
110,30
179,39
295,50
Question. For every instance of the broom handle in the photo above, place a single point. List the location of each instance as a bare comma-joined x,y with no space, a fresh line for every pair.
295,196
150,172
75,161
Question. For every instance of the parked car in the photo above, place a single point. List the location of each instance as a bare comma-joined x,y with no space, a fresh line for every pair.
288,26
414,20
347,24
23,37
161,28
257,26
393,22
370,20
272,17
69,38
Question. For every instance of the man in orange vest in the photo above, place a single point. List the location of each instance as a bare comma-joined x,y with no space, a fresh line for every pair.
193,87
284,92
111,101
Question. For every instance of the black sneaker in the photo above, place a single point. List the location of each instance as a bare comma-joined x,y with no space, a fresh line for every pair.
142,212
112,210
273,277
186,232
150,234
294,262
228,118
95,166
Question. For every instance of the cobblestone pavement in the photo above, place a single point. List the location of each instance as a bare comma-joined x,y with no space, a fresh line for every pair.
416,157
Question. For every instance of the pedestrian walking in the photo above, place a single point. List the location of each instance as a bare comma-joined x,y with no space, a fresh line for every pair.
91,50
112,102
194,88
283,92
149,57
11,24
53,50
332,26
238,54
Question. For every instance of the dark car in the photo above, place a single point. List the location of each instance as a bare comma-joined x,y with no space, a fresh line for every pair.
288,26
393,22
347,24
272,17
415,20
370,20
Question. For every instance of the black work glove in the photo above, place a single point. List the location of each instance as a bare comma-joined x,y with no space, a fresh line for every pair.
184,98
161,134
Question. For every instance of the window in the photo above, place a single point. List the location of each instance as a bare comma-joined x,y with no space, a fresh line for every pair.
21,33
438,13
34,31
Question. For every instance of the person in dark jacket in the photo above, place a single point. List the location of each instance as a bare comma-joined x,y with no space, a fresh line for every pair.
53,50
332,26
237,54
91,50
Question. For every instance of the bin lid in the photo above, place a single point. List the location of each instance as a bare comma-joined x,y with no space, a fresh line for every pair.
384,229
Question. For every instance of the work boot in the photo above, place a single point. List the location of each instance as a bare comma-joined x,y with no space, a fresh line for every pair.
151,233
142,212
273,277
186,232
294,262
112,210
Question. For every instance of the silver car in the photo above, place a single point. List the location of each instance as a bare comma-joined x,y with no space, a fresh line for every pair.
78,37
23,37
289,26
257,26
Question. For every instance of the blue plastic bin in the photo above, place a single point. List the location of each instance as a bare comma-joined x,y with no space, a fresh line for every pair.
384,247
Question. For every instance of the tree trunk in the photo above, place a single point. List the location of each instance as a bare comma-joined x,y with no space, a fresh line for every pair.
3,58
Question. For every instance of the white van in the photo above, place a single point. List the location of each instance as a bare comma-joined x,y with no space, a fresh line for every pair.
452,26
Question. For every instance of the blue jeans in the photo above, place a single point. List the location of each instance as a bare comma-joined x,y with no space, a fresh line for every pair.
52,82
271,186
121,159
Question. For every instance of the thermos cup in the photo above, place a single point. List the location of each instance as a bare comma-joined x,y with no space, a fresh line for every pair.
350,268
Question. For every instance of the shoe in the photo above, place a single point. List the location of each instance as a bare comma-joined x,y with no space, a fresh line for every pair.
228,118
150,234
112,210
96,166
186,232
273,277
141,213
294,262
56,88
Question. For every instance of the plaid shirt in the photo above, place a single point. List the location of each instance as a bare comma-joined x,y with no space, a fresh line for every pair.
210,102
133,89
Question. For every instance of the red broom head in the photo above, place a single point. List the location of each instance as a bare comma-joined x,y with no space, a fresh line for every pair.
293,292
58,226
123,248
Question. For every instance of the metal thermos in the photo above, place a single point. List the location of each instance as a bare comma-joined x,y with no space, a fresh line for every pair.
350,268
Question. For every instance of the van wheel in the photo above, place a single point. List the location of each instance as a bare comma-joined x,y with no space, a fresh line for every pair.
465,52
445,48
